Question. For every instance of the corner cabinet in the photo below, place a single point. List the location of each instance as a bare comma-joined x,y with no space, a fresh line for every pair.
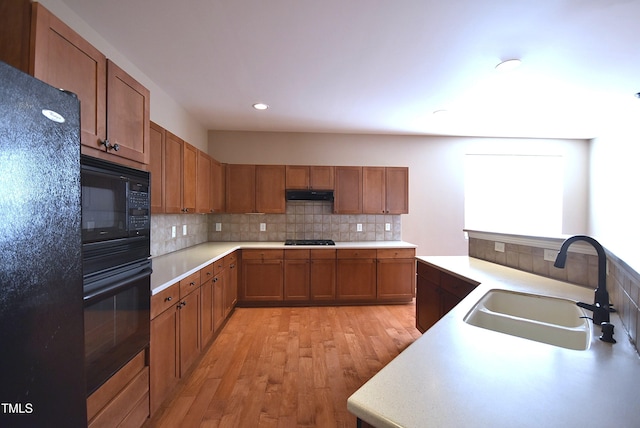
437,293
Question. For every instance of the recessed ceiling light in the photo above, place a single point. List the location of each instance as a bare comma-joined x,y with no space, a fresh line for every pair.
508,65
260,106
440,112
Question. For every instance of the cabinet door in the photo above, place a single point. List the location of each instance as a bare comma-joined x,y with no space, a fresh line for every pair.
219,301
396,279
323,279
428,307
156,165
321,177
203,184
189,177
127,115
231,286
207,325
65,60
348,192
262,280
397,190
270,181
15,30
240,188
296,279
373,190
297,177
189,330
356,279
172,174
164,357
217,186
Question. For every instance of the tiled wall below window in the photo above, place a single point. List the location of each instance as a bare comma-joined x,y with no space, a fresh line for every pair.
304,220
623,283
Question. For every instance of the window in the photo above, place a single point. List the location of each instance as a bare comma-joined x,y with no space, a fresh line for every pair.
519,194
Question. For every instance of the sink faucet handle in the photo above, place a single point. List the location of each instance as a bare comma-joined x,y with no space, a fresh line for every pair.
607,332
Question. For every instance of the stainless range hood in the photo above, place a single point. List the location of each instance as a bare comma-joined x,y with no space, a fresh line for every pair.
309,195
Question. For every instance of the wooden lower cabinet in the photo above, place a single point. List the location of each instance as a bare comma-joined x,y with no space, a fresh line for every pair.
323,275
396,274
124,399
437,292
356,275
230,282
262,275
297,277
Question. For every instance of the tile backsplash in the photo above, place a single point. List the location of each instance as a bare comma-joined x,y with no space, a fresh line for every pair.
302,220
623,283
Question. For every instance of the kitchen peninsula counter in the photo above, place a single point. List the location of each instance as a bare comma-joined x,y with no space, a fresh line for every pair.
459,375
171,268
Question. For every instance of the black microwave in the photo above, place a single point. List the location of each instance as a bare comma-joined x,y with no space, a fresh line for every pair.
115,201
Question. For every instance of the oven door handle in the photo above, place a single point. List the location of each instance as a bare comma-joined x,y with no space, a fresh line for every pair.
116,287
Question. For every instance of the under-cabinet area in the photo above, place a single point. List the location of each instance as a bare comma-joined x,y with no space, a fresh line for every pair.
194,292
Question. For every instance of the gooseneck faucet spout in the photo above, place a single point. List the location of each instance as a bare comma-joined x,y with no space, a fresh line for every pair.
601,306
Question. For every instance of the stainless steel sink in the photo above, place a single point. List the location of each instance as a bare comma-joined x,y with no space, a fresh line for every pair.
545,319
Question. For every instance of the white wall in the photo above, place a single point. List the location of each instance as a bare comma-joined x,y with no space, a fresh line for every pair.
436,181
614,181
164,110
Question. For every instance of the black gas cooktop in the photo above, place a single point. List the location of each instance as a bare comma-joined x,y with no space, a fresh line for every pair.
309,242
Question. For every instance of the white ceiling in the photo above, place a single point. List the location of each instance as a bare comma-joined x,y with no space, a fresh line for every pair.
381,66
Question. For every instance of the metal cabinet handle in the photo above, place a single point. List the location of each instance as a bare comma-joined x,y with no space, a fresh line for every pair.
168,299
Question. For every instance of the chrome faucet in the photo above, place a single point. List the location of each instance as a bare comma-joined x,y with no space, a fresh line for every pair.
601,306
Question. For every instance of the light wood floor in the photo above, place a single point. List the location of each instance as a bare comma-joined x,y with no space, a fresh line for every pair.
289,367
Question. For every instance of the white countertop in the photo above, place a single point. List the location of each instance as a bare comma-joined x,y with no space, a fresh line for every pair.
459,375
172,267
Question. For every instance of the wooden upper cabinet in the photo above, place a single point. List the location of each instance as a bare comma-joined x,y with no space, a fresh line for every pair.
240,188
348,190
127,115
373,190
385,190
114,107
156,166
217,186
203,188
65,60
321,177
297,177
172,173
309,177
397,190
15,30
189,177
270,183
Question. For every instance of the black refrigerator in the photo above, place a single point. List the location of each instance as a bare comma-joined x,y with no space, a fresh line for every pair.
41,312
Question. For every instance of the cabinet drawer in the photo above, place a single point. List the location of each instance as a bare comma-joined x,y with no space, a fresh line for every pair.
230,259
429,272
296,254
206,273
218,266
164,300
356,254
323,254
455,285
396,253
262,254
189,284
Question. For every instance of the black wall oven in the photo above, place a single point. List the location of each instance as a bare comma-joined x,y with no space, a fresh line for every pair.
116,225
